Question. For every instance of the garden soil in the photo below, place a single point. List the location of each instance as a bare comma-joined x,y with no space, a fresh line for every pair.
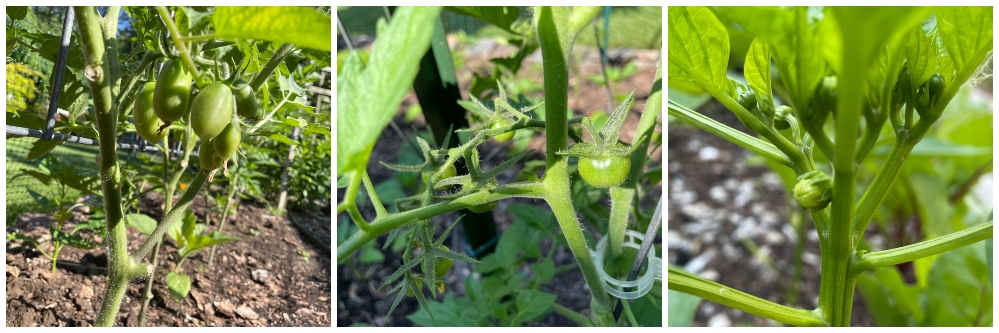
358,299
278,277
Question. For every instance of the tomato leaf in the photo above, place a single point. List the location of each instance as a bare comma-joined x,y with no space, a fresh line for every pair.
501,17
303,26
368,98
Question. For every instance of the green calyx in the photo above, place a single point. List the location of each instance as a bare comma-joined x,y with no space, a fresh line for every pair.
813,190
502,115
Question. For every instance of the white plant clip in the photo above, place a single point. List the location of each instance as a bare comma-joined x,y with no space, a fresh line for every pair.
617,287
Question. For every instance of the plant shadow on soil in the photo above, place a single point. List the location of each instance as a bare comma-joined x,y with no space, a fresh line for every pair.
262,280
358,298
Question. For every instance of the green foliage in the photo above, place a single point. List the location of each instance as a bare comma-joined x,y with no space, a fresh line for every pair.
615,74
878,64
367,98
510,287
22,87
302,26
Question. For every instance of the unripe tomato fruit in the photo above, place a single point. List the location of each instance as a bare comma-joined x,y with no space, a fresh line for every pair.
442,265
227,142
246,102
505,136
209,160
146,122
606,171
483,207
211,110
448,173
173,90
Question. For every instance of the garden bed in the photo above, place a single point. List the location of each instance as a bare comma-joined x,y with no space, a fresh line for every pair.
274,278
360,301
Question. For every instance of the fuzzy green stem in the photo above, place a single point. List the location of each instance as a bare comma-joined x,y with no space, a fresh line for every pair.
384,225
556,29
185,54
572,315
261,77
128,96
173,216
97,75
621,201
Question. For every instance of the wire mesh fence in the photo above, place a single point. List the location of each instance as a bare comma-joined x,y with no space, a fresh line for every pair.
24,191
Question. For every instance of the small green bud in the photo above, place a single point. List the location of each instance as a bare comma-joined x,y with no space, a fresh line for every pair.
748,100
826,95
813,190
902,88
784,116
937,85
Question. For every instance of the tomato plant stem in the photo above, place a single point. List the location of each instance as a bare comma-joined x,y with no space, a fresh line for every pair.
185,54
557,28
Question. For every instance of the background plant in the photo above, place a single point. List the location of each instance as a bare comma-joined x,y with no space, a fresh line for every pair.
830,64
518,300
217,43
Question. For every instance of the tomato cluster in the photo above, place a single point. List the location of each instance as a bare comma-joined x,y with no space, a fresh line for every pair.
167,99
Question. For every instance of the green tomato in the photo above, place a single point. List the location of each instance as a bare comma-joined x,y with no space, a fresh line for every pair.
483,207
227,142
504,137
211,110
209,160
442,265
246,102
449,172
606,171
173,90
146,122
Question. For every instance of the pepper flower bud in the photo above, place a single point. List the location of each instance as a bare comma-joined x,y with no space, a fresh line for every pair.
784,116
813,190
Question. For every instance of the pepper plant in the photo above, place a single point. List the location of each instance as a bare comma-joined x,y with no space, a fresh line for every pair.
198,95
369,95
843,73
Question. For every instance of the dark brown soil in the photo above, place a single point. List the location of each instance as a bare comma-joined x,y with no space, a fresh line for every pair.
293,292
359,301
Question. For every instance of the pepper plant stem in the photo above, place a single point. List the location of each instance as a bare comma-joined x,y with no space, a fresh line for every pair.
923,249
723,131
688,283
